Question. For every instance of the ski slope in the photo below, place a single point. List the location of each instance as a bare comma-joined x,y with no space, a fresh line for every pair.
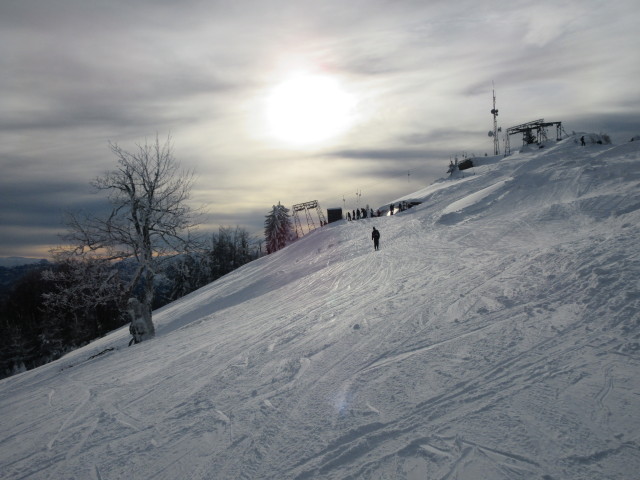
495,335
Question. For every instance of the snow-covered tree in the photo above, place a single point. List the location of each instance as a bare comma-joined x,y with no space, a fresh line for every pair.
85,297
277,228
149,217
228,249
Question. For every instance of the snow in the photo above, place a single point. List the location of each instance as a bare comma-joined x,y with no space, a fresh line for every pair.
475,198
494,335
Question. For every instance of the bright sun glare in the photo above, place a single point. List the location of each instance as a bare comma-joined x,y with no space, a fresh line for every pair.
308,109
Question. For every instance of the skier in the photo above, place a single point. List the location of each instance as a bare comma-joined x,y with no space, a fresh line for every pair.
375,235
582,141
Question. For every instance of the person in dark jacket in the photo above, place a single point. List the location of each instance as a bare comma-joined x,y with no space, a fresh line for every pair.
375,235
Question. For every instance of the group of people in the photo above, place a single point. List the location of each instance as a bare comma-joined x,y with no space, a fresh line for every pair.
359,213
402,206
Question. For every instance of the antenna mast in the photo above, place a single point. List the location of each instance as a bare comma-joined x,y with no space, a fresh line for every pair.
494,134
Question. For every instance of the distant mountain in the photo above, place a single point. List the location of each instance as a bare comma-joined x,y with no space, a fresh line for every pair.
10,262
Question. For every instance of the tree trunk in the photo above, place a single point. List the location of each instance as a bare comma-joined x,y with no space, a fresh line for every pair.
141,327
150,330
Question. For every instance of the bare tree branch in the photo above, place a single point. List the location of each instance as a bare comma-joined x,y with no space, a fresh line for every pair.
150,218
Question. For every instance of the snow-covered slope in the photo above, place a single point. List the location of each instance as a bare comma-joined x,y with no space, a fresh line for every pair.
495,335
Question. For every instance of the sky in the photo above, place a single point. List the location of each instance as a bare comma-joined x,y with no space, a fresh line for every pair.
347,103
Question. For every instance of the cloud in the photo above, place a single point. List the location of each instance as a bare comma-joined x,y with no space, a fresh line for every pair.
383,154
620,126
79,74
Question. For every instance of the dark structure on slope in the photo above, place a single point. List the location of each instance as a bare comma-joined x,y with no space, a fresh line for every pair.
532,132
334,214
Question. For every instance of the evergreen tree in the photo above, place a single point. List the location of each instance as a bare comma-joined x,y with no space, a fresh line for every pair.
277,228
229,249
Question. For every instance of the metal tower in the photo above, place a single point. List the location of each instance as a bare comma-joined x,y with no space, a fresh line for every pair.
494,133
306,207
532,132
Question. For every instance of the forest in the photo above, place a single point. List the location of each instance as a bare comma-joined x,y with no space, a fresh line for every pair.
50,308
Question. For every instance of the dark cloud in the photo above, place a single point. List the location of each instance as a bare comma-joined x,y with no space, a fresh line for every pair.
43,205
621,127
457,139
383,154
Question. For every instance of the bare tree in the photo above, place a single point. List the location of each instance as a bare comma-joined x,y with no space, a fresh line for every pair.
87,295
149,220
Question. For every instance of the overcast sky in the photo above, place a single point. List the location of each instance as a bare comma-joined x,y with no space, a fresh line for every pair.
398,87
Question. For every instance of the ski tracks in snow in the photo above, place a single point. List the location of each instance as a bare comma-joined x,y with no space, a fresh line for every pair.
513,376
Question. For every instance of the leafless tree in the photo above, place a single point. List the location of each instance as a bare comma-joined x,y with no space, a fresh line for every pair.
149,220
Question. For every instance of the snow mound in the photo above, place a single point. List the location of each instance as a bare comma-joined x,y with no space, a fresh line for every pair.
476,198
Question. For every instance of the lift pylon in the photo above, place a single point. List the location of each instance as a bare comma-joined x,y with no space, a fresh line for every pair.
307,208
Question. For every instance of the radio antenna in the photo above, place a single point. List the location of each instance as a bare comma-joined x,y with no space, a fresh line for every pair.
494,133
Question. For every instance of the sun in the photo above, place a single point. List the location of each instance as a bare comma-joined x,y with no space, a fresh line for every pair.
309,109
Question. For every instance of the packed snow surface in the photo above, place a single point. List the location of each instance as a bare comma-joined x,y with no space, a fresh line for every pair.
495,335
